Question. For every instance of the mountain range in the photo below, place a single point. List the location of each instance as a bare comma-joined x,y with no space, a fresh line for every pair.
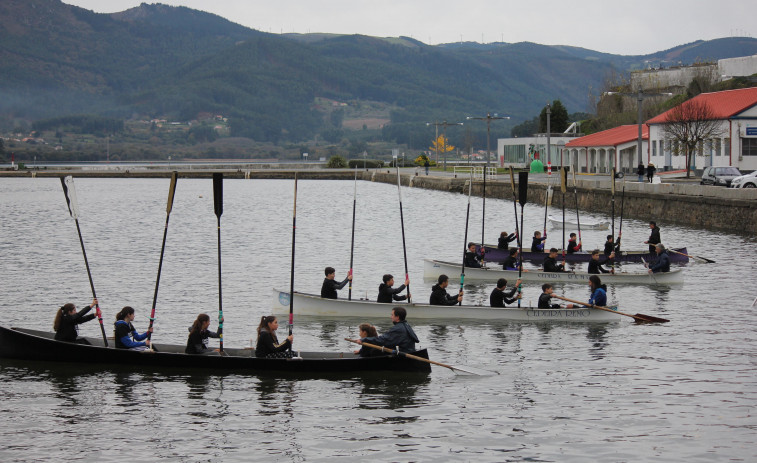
175,62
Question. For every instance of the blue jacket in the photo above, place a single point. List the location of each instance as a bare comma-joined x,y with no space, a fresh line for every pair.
598,297
400,335
124,332
662,264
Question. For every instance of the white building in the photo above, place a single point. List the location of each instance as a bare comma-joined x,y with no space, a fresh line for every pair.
736,110
520,151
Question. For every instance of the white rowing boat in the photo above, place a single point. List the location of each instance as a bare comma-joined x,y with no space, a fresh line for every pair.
433,268
557,223
312,305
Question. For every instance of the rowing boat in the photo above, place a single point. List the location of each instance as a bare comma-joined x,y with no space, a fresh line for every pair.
494,254
558,223
26,344
315,306
433,268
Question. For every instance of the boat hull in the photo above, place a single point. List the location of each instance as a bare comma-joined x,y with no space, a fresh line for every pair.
494,254
557,223
18,343
315,306
434,268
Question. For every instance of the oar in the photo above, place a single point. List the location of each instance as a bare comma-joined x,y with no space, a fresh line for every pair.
578,217
468,370
169,206
73,208
291,276
546,201
402,223
218,206
483,213
465,242
612,231
352,244
697,258
522,198
638,317
517,233
622,206
563,188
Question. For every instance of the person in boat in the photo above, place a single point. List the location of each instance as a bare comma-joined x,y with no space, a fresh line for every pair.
330,285
550,263
545,299
504,240
126,335
387,294
611,247
67,321
537,244
400,335
472,259
367,331
511,263
654,237
199,336
498,297
595,267
268,345
598,292
573,244
439,295
662,264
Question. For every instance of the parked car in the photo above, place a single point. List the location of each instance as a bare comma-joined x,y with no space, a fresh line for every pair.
745,181
719,175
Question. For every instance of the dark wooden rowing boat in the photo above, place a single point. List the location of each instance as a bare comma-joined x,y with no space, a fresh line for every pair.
26,344
493,254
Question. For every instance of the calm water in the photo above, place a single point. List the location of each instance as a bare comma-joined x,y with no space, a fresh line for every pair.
617,392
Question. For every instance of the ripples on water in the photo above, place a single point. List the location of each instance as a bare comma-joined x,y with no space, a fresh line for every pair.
683,391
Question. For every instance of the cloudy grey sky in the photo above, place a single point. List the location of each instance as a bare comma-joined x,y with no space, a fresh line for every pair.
628,28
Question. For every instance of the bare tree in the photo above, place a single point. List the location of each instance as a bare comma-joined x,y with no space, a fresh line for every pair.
689,124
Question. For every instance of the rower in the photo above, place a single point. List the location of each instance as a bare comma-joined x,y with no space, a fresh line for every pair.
545,299
550,263
498,297
329,287
473,260
439,295
400,335
662,264
387,293
573,245
595,267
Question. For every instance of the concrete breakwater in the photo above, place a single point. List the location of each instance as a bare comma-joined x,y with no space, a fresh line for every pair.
715,208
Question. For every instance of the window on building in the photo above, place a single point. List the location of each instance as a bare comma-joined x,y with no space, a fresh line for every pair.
717,147
726,147
654,148
749,146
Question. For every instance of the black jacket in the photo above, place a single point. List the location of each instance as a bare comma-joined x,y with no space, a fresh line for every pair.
197,342
387,294
499,298
537,244
329,287
400,335
573,246
654,236
596,268
662,264
68,330
511,263
504,241
439,296
472,260
611,246
545,302
268,343
551,265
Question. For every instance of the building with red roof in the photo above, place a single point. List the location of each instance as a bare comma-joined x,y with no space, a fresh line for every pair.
601,151
736,110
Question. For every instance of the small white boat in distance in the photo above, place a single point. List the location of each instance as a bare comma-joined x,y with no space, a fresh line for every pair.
589,225
315,306
433,268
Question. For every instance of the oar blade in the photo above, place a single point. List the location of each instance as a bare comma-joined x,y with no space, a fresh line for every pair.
563,180
512,179
522,188
218,193
69,190
171,192
641,318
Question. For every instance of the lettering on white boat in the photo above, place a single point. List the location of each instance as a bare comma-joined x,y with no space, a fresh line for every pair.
555,313
283,298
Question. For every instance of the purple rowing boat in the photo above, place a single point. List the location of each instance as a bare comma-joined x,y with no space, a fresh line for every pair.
493,254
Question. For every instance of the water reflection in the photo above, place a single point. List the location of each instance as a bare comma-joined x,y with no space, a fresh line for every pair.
597,334
397,394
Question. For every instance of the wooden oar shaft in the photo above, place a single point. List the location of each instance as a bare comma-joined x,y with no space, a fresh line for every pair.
402,225
692,257
639,317
169,207
404,354
352,242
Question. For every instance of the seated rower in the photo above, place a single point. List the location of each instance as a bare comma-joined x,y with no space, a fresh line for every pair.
472,259
439,295
199,334
545,299
511,263
67,321
595,267
611,247
367,331
598,292
400,335
330,285
504,240
126,335
498,297
662,264
550,263
573,245
268,345
537,244
387,294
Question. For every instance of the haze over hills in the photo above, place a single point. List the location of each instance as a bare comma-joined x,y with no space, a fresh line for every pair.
175,62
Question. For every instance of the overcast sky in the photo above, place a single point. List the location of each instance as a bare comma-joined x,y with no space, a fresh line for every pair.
628,27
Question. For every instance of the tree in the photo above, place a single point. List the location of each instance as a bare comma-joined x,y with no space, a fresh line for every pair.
689,124
441,145
558,118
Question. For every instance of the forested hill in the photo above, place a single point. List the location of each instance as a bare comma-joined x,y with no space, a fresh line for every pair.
175,62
